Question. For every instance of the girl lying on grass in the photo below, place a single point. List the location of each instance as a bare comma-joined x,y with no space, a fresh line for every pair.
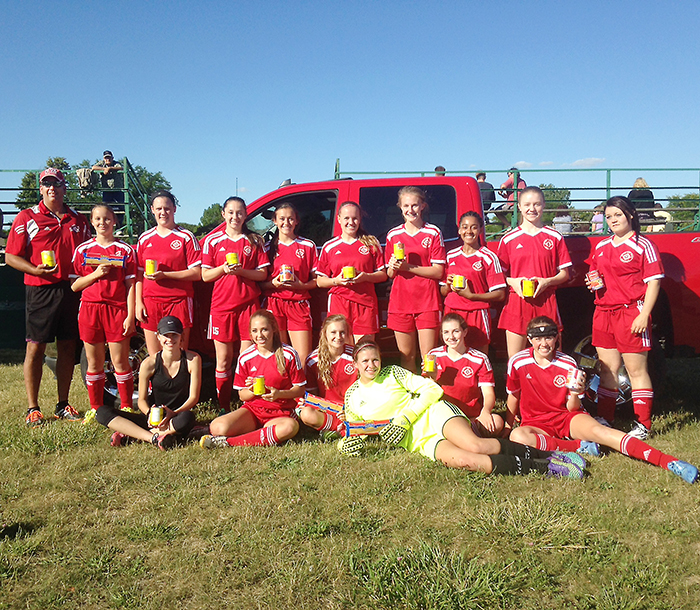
423,423
550,411
269,377
175,377
466,377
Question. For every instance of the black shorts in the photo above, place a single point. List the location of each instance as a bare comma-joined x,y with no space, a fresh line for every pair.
52,313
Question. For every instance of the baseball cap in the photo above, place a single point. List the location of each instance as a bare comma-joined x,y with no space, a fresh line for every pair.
169,324
543,330
107,152
52,172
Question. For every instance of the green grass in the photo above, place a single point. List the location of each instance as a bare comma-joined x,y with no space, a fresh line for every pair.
84,525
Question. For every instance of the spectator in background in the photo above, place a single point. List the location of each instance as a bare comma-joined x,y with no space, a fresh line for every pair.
488,193
663,221
507,191
598,220
562,221
440,170
112,178
642,199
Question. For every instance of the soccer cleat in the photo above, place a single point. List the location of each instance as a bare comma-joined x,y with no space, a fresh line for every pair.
66,412
589,448
570,458
328,436
34,418
563,470
118,439
639,431
212,442
603,422
685,471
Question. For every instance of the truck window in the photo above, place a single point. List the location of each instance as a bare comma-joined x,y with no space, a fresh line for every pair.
316,209
381,213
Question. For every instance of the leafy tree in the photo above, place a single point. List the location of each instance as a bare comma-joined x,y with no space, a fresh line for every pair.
690,200
554,199
211,217
151,182
29,194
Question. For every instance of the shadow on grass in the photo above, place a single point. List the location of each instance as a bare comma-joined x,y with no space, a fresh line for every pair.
16,530
11,356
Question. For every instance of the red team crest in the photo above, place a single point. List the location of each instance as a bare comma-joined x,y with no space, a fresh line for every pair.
247,250
300,253
349,369
426,242
560,381
467,372
364,250
176,245
626,256
548,244
478,266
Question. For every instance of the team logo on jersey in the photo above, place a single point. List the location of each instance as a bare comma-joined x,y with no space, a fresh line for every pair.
560,381
74,228
426,242
300,253
364,250
478,266
247,250
467,372
626,256
548,244
349,369
176,245
518,246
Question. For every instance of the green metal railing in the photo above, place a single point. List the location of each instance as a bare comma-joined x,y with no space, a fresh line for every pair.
603,183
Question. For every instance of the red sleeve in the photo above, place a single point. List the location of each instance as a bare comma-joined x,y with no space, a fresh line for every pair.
240,375
296,370
563,256
130,265
652,269
17,239
437,251
494,279
389,250
512,380
311,376
378,258
504,256
322,267
192,252
485,373
261,259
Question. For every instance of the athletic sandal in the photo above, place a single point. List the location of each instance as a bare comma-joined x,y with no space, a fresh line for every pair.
212,442
639,431
589,448
563,470
66,412
685,471
34,418
570,458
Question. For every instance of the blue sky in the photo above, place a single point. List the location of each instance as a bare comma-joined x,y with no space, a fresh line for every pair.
211,92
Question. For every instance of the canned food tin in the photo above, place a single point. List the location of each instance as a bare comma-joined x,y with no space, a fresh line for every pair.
48,258
399,252
232,258
528,287
429,363
573,377
594,280
155,416
458,281
259,386
286,273
150,267
349,273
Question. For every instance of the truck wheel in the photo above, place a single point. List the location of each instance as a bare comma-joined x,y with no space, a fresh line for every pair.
137,354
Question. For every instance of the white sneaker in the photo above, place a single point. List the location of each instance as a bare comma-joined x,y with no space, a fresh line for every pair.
212,442
639,431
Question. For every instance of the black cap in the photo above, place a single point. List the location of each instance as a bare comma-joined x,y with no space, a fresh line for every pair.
543,330
169,324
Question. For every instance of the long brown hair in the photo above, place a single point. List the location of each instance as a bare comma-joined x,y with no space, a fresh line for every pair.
325,360
253,238
276,338
274,242
365,238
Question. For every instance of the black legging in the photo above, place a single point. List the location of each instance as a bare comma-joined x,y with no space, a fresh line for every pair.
182,423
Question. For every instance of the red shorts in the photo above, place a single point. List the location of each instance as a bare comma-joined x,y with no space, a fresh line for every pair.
290,315
364,320
556,424
157,310
410,322
100,322
518,312
262,416
479,324
230,326
611,329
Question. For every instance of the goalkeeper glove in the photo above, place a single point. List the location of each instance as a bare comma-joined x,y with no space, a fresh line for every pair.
394,432
352,445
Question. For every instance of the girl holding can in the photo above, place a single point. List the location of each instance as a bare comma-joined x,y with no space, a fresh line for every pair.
350,265
415,255
474,281
234,259
269,377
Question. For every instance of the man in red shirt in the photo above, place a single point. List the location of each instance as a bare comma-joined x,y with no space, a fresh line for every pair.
51,305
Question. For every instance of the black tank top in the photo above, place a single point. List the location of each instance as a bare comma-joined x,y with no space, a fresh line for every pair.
172,392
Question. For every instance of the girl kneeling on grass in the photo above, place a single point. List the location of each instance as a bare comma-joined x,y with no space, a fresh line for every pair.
330,371
550,411
175,377
269,376
466,377
423,423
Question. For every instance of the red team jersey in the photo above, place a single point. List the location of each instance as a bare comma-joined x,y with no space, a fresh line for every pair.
462,379
343,374
337,254
38,228
482,270
111,288
409,292
626,268
252,363
232,291
177,251
301,256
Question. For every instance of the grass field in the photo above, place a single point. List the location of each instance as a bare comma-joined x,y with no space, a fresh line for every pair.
85,525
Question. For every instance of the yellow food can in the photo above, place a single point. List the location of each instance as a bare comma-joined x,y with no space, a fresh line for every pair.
232,258
349,273
458,281
155,416
48,258
429,363
150,267
399,252
528,287
259,386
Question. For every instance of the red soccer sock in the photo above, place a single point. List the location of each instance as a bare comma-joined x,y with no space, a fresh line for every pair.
224,389
607,400
549,443
643,401
257,438
330,422
125,387
96,388
635,448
